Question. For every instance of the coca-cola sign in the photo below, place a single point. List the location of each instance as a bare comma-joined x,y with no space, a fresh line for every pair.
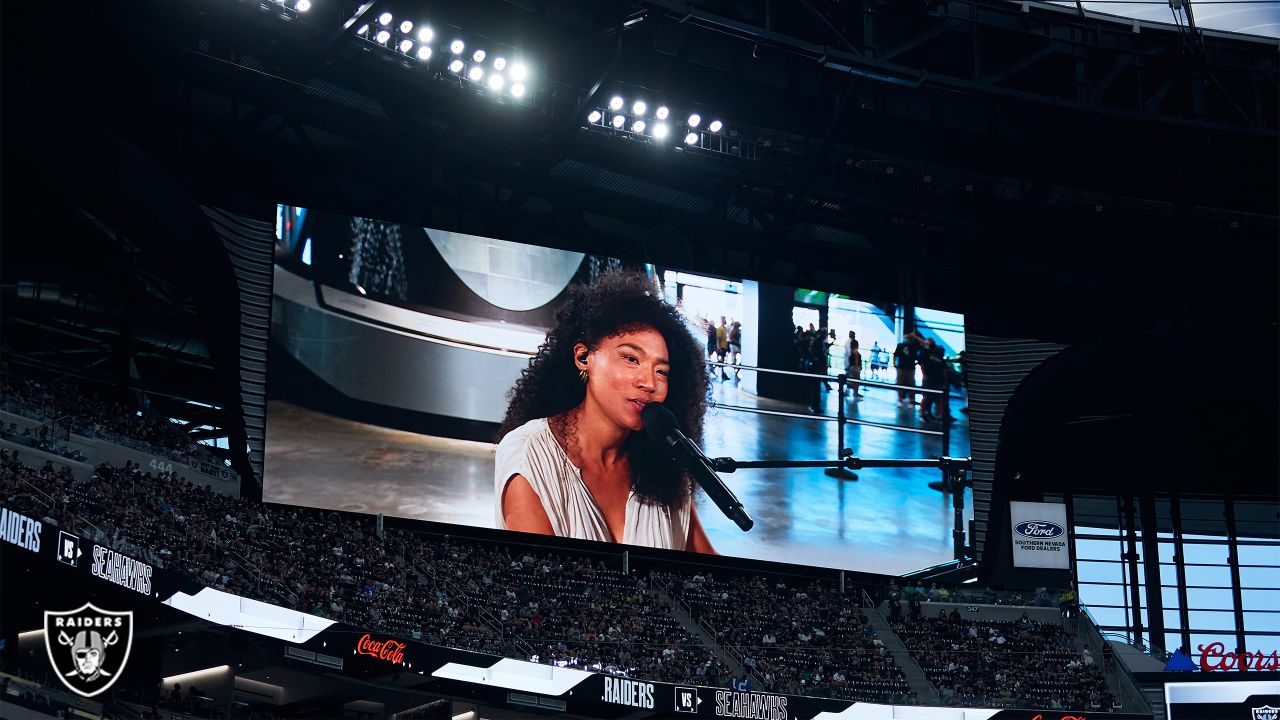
1215,657
391,651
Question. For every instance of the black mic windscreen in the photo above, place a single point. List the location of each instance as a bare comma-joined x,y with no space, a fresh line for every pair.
659,422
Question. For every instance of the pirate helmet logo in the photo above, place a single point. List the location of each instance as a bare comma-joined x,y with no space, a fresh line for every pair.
88,646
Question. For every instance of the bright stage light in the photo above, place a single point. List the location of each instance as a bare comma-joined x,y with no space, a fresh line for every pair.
615,103
517,90
637,126
406,27
383,37
406,46
456,47
499,63
691,139
639,108
694,120
618,121
455,66
384,19
662,112
303,5
519,72
715,126
364,30
594,118
495,82
476,74
424,53
478,56
660,131
425,35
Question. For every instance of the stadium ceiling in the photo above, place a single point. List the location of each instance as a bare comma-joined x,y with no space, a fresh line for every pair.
996,149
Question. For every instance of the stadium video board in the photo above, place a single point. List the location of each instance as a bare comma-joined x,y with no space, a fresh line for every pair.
439,376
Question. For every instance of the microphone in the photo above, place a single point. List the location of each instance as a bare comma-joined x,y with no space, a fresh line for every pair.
663,427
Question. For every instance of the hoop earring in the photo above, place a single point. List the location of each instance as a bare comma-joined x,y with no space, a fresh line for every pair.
582,375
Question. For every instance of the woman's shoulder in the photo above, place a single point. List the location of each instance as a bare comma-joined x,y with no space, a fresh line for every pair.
536,432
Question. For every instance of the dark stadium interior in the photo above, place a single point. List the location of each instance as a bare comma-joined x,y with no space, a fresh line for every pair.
1095,195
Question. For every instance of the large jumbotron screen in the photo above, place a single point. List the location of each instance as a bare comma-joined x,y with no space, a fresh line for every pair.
396,352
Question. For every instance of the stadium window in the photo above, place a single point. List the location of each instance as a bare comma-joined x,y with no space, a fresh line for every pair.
1258,576
1208,576
1262,621
1209,598
1090,549
1260,599
1099,594
1202,620
1109,617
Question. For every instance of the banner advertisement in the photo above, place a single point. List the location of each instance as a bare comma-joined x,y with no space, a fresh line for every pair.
1039,535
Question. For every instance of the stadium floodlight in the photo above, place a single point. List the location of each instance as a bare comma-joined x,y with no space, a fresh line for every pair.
715,126
499,63
495,82
303,5
455,66
618,121
425,34
364,30
383,37
406,27
615,103
424,52
385,19
478,56
637,127
476,74
691,139
594,118
662,112
517,90
639,108
406,46
519,72
695,120
660,131
456,47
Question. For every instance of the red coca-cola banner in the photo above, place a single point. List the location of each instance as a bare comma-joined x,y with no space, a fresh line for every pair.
391,651
1215,657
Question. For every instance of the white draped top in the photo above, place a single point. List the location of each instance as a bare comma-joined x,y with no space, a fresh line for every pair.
532,451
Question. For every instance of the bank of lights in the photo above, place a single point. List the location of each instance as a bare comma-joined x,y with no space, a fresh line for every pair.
492,72
633,118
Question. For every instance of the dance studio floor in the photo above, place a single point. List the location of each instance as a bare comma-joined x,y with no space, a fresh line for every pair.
887,521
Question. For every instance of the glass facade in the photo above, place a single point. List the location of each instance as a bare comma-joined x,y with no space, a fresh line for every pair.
1215,560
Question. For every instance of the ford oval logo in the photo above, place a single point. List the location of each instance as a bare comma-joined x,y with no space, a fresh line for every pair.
1039,529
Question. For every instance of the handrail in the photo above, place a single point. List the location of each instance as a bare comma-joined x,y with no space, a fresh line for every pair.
1121,672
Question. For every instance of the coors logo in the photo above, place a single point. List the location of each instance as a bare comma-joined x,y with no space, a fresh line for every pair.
88,646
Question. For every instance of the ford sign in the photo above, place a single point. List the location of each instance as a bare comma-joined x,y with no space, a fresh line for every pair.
1039,529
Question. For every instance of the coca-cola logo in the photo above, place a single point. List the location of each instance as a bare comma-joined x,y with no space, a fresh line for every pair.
391,651
1215,657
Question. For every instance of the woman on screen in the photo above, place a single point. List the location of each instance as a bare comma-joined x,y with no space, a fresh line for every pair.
573,458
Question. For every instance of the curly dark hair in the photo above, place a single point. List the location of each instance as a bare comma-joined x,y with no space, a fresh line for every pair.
618,302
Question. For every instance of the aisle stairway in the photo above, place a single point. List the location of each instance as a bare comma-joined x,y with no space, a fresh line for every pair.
919,684
681,613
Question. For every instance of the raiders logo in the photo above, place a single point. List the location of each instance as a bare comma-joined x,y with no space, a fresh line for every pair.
88,646
1266,712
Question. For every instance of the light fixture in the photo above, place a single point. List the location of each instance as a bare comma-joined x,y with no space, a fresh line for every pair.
382,37
455,66
660,131
475,73
662,112
424,52
499,63
691,139
406,46
406,27
639,108
425,34
618,121
517,90
715,126
637,126
694,120
495,82
456,47
519,72
478,56
384,19
364,30
303,5
615,103
594,118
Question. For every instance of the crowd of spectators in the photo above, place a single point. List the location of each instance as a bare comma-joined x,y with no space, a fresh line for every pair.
1020,663
803,640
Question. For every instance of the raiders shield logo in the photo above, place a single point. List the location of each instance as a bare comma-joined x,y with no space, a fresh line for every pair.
88,646
1266,712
